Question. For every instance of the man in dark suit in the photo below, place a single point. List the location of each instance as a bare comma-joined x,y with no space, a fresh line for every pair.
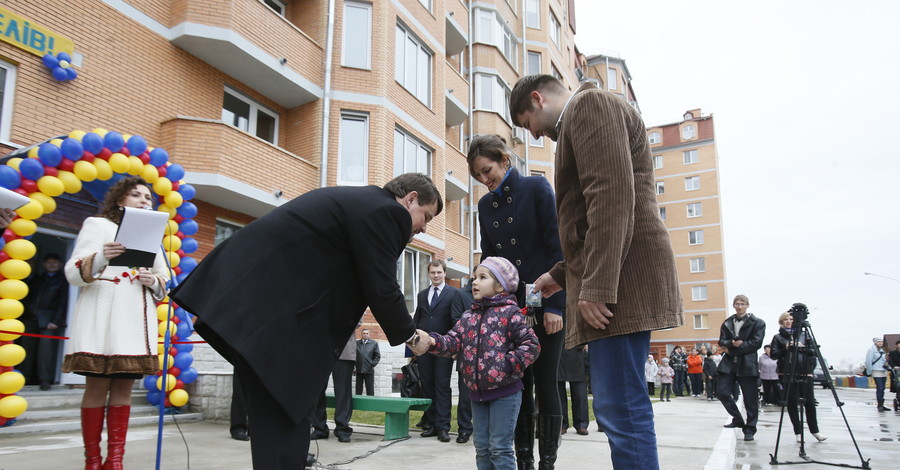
742,334
434,314
279,298
45,313
367,357
463,402
342,379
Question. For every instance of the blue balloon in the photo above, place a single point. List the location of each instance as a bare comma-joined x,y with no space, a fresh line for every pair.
175,172
187,210
187,192
180,278
2,242
92,143
9,178
59,74
71,149
32,168
50,155
64,56
50,61
183,360
71,74
187,264
184,331
189,245
113,141
154,397
188,227
137,145
150,383
159,157
188,376
184,348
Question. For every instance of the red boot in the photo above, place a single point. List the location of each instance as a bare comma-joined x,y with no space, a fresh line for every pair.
116,429
91,429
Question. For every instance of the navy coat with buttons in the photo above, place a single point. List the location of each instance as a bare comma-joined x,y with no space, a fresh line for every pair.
519,224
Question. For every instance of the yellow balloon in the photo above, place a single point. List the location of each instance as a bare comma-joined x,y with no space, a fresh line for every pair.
11,308
163,357
162,186
160,347
165,208
12,406
23,227
174,199
56,142
162,312
170,381
71,182
32,210
176,397
33,152
172,227
174,259
14,162
11,382
11,325
150,173
165,299
20,248
48,204
13,289
15,269
51,185
100,131
119,162
135,165
125,137
104,171
76,134
11,355
173,328
86,171
171,243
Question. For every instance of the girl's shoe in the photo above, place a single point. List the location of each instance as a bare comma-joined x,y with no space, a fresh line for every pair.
819,436
798,437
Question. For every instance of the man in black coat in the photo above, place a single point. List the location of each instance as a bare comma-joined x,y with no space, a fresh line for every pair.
280,297
434,314
742,334
463,302
45,313
367,357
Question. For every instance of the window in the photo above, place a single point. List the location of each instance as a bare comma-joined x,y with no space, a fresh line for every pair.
224,230
475,233
698,265
612,78
539,142
695,237
701,322
276,5
492,94
412,274
410,155
654,137
688,132
660,187
493,30
554,29
249,116
555,72
533,13
692,183
662,213
7,87
426,4
413,67
534,63
657,162
690,156
695,209
698,293
357,48
353,153
539,173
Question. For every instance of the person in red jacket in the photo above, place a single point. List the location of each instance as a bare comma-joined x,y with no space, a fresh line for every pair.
695,372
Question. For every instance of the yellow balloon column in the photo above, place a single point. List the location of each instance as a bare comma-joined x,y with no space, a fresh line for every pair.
63,166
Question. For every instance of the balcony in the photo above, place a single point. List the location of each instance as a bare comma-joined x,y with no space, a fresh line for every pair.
233,169
456,97
248,41
457,39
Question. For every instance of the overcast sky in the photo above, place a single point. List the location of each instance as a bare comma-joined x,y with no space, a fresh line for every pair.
807,109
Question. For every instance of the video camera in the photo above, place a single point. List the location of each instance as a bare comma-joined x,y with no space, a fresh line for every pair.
800,313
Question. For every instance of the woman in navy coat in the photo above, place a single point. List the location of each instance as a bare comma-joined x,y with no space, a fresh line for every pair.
517,220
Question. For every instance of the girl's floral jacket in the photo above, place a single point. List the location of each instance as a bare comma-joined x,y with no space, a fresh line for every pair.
494,342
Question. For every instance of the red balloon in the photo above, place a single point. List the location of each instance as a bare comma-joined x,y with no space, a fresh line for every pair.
87,156
66,165
50,171
179,383
145,158
125,151
175,185
175,371
179,235
176,320
21,191
176,270
173,351
181,254
29,186
3,256
2,421
174,305
104,154
161,170
178,218
167,403
9,235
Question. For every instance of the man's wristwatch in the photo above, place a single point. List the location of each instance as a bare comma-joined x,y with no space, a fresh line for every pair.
414,341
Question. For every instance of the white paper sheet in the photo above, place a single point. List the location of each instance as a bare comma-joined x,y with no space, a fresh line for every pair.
140,230
11,199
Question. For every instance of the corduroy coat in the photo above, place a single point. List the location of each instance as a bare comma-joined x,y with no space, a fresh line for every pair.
615,245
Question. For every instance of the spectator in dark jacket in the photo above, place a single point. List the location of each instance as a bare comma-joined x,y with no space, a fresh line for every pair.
742,335
367,357
796,375
678,362
709,373
46,307
571,369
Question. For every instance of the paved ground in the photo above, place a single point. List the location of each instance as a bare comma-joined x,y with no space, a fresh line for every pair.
689,430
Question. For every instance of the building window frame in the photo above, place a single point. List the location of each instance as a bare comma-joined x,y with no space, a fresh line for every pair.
533,14
555,30
660,188
412,275
698,265
654,137
353,35
612,78
492,29
7,97
701,321
428,4
404,143
699,293
662,213
345,157
688,132
657,162
691,157
278,6
225,229
492,94
254,109
532,70
692,183
413,73
695,237
694,209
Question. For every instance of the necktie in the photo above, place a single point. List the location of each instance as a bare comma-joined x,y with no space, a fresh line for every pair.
434,298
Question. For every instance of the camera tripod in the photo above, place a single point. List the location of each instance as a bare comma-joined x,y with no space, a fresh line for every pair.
803,331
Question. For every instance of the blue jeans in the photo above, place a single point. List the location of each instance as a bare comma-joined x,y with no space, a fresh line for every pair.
879,389
495,426
620,399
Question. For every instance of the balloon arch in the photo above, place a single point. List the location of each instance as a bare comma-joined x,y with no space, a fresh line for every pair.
93,161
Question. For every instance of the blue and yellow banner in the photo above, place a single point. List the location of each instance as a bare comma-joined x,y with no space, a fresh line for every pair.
27,35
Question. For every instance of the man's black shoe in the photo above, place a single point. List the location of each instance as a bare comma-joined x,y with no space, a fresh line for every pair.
462,438
734,425
443,435
45,385
240,435
430,432
318,435
310,460
343,438
748,436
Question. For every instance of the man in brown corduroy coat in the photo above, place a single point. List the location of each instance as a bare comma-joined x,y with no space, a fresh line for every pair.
619,269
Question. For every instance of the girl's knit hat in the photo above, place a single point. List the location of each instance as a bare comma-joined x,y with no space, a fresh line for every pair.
504,271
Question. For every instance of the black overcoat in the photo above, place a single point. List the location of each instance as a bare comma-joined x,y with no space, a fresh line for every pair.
286,291
741,361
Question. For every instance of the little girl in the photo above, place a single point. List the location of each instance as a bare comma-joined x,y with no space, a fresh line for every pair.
665,379
495,345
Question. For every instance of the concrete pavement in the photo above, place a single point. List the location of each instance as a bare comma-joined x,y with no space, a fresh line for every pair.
689,432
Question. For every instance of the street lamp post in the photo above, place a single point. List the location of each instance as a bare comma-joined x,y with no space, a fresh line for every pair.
886,277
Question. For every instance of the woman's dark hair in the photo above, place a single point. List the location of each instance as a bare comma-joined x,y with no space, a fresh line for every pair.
492,147
116,193
421,184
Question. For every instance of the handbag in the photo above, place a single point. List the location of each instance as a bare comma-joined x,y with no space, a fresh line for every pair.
411,384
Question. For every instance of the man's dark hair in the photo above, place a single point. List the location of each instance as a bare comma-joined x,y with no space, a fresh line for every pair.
520,98
421,184
52,256
438,262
